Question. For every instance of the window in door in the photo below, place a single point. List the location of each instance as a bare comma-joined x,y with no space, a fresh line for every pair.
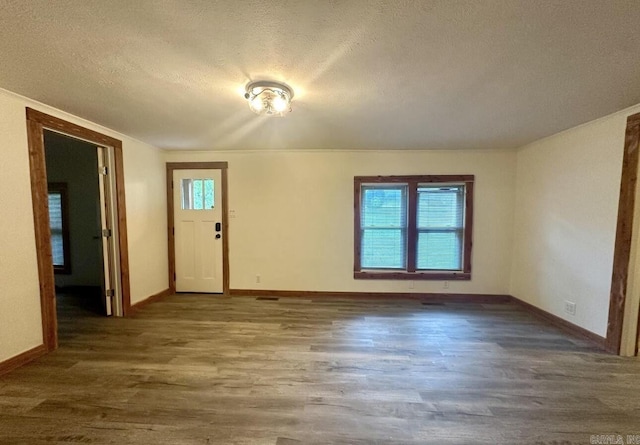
413,227
58,224
197,194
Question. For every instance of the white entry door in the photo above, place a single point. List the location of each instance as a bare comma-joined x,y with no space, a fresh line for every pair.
197,218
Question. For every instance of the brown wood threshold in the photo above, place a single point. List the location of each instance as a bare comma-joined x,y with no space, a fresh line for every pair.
563,324
430,297
22,359
151,299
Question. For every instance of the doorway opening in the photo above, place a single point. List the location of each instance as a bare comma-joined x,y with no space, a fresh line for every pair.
100,228
197,221
80,209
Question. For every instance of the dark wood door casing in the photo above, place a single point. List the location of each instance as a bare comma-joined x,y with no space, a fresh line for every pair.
624,232
222,166
37,122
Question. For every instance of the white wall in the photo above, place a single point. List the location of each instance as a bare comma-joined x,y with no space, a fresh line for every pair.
75,163
565,220
145,188
292,216
20,323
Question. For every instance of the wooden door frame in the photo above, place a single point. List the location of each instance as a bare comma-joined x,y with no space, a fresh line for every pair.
222,166
37,123
624,233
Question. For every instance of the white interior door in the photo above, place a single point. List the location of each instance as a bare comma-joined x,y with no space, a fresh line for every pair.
197,219
109,230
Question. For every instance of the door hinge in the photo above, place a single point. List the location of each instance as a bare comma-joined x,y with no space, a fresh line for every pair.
174,276
110,293
103,171
106,233
173,230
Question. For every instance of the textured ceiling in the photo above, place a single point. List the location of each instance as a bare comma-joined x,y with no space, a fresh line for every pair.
370,74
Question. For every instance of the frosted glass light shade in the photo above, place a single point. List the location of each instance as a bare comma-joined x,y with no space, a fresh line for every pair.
269,98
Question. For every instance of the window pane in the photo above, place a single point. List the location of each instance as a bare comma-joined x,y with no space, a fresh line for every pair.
186,192
384,207
440,207
439,250
383,248
197,194
208,194
383,218
57,249
55,223
198,197
55,211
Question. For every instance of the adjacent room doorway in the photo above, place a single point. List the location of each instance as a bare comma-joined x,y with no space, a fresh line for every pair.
82,222
113,233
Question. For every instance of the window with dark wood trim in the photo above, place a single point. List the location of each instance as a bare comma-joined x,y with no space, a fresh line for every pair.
59,226
413,227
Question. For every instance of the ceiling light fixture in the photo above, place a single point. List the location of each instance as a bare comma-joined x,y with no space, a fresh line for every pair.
269,98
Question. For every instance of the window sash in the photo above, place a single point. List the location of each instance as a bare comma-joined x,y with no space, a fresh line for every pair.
383,235
450,228
439,197
443,214
394,258
423,260
450,260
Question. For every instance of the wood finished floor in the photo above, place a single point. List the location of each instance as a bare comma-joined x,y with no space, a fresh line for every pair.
196,369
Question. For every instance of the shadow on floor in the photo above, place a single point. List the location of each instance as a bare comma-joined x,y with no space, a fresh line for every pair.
76,301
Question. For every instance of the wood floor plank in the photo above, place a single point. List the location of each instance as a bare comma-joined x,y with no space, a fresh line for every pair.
201,369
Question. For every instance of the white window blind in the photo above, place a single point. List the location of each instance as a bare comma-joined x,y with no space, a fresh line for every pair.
55,223
440,227
383,227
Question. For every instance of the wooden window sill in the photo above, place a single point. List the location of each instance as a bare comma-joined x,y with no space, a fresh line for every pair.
401,275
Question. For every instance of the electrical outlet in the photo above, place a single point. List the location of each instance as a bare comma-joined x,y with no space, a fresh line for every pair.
411,284
570,307
257,278
445,285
